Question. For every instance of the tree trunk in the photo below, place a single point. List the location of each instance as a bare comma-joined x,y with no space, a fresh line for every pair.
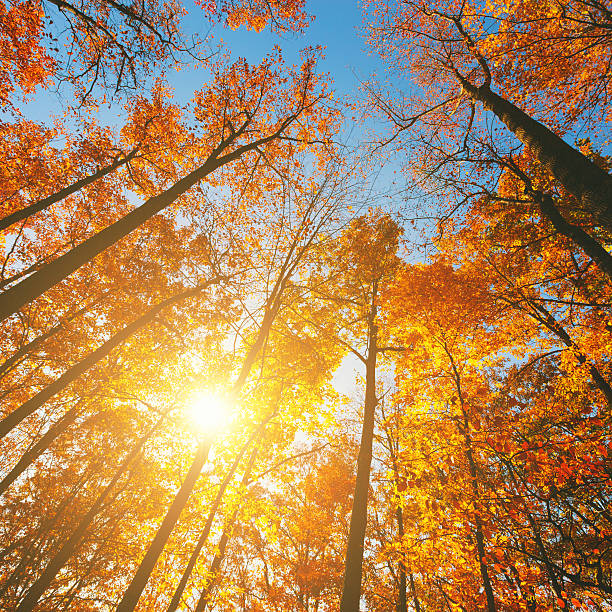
131,596
591,247
58,269
34,403
34,593
218,559
134,591
40,447
351,589
20,353
24,213
474,480
402,604
178,593
586,181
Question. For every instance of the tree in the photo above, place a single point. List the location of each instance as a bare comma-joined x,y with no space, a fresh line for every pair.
356,265
459,52
247,98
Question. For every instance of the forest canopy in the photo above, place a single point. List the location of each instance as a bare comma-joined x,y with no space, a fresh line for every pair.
280,333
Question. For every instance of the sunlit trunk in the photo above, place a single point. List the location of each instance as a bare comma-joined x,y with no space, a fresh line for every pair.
351,589
215,566
134,591
178,593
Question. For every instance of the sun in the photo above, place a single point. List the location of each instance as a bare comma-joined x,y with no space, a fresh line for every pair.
209,412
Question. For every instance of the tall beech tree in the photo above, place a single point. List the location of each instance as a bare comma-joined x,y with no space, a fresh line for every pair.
237,110
458,55
363,259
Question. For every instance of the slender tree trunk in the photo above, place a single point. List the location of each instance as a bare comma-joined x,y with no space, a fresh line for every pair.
351,589
34,593
480,540
402,604
39,540
40,447
178,593
66,601
20,353
134,591
586,181
35,402
131,596
215,565
417,605
58,269
24,213
552,574
552,324
225,536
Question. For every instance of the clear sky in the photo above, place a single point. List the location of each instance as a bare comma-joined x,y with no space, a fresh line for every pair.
336,27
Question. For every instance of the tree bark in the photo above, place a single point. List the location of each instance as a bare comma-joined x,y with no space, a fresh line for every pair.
586,181
480,540
351,589
178,593
215,566
39,448
402,604
35,402
34,593
134,591
591,247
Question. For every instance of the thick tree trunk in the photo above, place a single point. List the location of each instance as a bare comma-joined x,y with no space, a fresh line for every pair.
58,269
35,402
24,213
586,181
351,589
134,591
31,598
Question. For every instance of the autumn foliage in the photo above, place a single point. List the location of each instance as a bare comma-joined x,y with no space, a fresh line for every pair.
184,286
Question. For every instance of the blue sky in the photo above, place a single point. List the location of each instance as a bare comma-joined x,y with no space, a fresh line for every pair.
336,27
